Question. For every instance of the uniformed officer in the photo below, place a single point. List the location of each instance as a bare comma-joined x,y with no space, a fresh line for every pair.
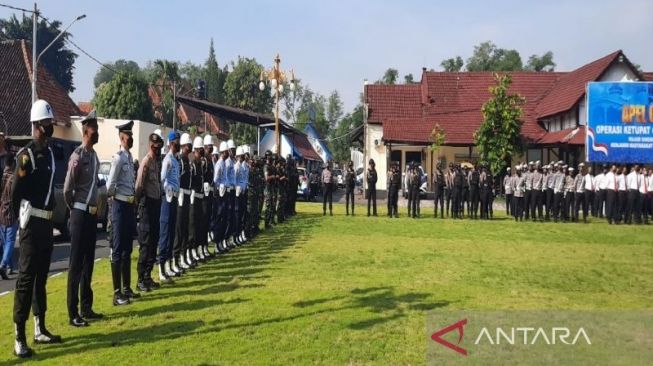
282,190
220,204
415,183
474,181
518,188
197,236
569,194
182,234
169,204
350,187
269,175
253,217
148,196
438,191
327,189
611,195
231,194
394,184
80,193
121,187
485,192
537,182
507,190
241,171
549,183
457,193
372,178
632,184
579,193
244,177
32,192
207,208
448,188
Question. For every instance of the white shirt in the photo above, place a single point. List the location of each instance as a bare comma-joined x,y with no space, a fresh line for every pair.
600,182
631,181
643,184
610,181
589,182
621,182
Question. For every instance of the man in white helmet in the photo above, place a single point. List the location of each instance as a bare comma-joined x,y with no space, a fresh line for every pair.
220,204
169,203
242,173
231,213
180,247
207,185
32,192
196,221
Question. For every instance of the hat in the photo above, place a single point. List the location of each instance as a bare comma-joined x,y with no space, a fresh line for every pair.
156,140
508,169
158,132
223,146
197,143
215,152
560,162
571,169
91,117
581,165
208,140
41,110
239,151
126,127
185,139
173,135
230,144
538,163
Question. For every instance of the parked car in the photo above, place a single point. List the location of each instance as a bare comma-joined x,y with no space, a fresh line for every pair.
62,149
339,178
302,187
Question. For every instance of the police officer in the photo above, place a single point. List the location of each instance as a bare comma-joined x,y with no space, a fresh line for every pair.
457,193
269,175
448,188
231,208
474,179
549,183
394,184
242,173
121,187
465,193
197,236
80,192
518,188
327,189
372,178
32,191
579,193
537,182
148,196
415,182
569,194
507,190
220,204
408,187
282,189
169,203
438,191
207,185
180,246
350,186
253,183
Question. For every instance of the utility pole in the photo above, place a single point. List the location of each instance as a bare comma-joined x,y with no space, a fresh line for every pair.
174,105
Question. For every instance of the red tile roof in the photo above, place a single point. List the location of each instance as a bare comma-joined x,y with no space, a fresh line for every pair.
569,136
393,101
16,89
85,107
571,87
303,146
648,76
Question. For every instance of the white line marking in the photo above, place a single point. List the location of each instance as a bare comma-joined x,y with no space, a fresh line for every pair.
56,274
4,293
98,259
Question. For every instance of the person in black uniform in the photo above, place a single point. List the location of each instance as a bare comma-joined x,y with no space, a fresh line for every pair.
196,236
183,211
438,191
32,192
372,178
81,196
464,200
457,193
415,182
121,187
207,187
474,194
350,186
394,184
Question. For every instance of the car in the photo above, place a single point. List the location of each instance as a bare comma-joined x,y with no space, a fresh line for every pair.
62,149
339,178
302,187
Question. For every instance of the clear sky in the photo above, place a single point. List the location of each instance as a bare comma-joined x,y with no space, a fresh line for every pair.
337,44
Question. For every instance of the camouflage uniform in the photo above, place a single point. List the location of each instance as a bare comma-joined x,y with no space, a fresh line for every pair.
270,202
252,198
282,189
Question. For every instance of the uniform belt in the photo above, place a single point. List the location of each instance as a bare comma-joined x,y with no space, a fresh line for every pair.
86,208
185,191
229,189
199,195
42,214
123,198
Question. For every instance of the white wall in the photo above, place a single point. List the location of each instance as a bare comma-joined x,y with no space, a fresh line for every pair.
376,152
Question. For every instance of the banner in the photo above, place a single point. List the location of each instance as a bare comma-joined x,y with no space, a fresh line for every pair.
619,122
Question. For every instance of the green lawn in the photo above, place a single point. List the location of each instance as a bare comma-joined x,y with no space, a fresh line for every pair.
351,291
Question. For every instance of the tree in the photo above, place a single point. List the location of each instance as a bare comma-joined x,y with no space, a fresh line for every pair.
214,77
191,73
409,79
291,101
452,64
104,75
334,109
488,57
389,77
498,137
340,139
58,60
162,74
437,138
541,63
241,91
124,97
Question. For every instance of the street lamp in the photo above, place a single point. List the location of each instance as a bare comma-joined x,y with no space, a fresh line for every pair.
276,79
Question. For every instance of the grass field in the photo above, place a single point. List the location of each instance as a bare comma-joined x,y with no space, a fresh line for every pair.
350,291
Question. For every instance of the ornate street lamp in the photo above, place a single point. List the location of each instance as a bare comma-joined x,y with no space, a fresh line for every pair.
276,79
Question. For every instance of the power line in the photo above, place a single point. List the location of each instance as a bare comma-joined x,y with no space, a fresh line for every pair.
15,8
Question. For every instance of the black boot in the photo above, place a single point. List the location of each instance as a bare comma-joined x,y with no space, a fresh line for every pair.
41,333
126,279
20,344
118,298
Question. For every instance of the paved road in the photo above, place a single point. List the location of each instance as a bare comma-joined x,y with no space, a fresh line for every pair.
60,256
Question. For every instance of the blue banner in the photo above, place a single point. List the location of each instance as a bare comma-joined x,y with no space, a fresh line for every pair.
619,122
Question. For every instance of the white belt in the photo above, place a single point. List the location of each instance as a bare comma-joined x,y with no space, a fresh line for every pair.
185,191
42,214
86,208
199,195
121,197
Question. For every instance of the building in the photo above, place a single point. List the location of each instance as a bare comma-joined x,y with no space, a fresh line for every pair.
400,118
293,143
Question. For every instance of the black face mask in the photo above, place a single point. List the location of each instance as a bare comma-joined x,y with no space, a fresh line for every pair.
130,142
48,130
95,137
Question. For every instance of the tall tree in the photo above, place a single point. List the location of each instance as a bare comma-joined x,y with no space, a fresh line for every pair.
162,74
498,137
334,109
340,140
454,64
124,97
541,63
58,60
104,75
214,77
191,72
409,79
291,101
488,57
390,77
241,91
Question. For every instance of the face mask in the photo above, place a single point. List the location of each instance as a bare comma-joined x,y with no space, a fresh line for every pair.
48,130
95,137
130,142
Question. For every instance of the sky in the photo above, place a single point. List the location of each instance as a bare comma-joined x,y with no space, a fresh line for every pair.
336,45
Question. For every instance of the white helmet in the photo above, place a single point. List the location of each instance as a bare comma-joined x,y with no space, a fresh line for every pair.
41,110
197,143
185,139
230,144
215,152
223,146
208,140
239,151
158,132
245,149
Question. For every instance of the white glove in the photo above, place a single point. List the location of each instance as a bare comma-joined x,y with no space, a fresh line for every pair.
192,197
169,194
181,199
223,189
24,213
207,189
237,191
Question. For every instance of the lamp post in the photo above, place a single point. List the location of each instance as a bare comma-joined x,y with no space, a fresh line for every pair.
276,79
